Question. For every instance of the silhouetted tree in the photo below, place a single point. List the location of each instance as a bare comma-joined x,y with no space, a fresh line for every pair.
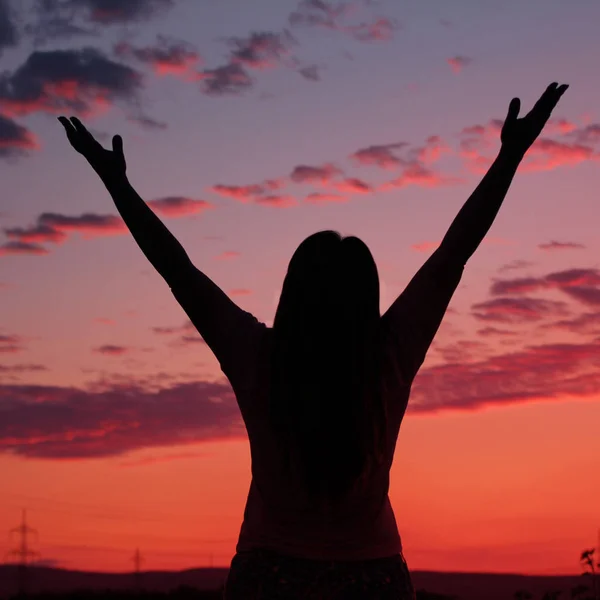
587,560
523,595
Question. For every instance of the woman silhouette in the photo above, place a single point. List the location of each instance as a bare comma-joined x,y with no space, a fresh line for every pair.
323,392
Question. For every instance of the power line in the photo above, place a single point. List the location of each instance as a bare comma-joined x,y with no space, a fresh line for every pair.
23,552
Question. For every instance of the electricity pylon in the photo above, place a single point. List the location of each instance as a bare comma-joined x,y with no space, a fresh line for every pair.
138,560
23,552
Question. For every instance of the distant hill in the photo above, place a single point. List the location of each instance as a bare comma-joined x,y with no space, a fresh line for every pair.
465,586
62,580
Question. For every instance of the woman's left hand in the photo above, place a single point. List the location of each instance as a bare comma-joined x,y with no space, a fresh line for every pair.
109,164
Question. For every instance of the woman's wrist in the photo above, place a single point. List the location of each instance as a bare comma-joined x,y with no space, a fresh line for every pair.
114,181
112,178
510,153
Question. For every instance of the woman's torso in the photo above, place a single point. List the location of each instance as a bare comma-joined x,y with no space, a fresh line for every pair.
279,515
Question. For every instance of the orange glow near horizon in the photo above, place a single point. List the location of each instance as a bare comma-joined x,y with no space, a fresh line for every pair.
117,429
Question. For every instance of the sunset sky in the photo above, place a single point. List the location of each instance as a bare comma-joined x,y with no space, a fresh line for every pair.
247,126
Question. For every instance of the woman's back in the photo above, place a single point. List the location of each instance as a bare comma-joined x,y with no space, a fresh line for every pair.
278,514
281,515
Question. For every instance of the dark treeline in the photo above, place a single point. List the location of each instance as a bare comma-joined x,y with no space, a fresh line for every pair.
189,592
182,592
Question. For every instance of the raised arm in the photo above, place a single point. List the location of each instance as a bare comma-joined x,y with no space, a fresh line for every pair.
414,317
158,244
477,215
233,334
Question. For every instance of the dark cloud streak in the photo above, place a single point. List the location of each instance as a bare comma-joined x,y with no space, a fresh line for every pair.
81,81
9,35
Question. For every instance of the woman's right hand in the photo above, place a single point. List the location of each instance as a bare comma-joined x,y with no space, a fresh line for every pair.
518,135
109,164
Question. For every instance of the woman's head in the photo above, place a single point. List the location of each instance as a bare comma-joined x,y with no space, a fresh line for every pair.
330,280
325,355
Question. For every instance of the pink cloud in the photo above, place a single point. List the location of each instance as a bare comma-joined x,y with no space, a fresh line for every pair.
312,72
240,292
323,198
474,140
431,151
108,12
226,79
380,155
187,334
515,264
495,332
15,139
21,368
539,372
15,248
54,227
463,351
261,50
166,57
12,344
10,349
144,121
112,350
546,154
83,82
43,232
553,245
578,283
177,206
559,126
414,165
458,63
381,29
587,323
320,13
352,185
417,174
582,285
590,134
336,17
308,174
112,419
245,193
279,201
517,310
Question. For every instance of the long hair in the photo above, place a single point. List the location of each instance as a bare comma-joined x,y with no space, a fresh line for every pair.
325,396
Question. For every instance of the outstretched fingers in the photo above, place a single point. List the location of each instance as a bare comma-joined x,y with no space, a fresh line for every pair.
549,99
69,128
557,92
81,129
